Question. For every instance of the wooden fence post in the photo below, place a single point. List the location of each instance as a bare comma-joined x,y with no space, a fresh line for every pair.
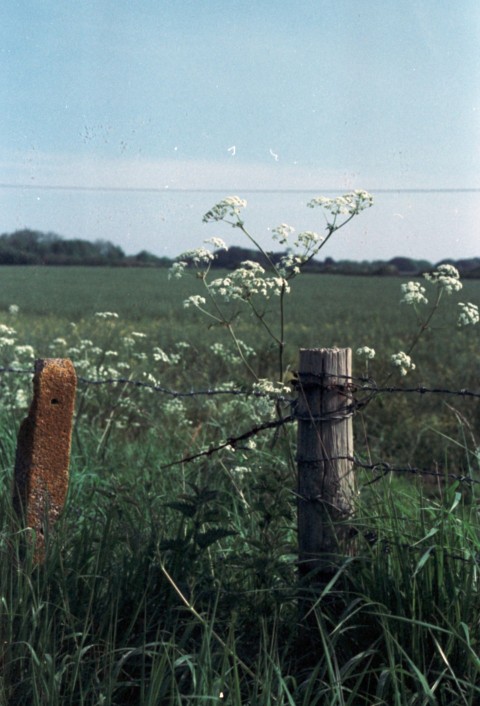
43,449
326,483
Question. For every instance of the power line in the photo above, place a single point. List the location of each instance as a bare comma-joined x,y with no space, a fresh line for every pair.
176,190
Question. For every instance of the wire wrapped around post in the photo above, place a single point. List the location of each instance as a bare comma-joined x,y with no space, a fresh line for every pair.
326,479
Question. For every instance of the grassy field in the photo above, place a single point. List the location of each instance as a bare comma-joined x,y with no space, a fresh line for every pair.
177,584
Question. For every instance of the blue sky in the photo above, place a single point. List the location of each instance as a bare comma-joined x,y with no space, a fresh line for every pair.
119,104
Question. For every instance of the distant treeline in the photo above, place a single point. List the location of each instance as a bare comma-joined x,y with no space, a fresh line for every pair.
400,266
30,247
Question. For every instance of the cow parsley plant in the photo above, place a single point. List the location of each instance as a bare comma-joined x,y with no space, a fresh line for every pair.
255,284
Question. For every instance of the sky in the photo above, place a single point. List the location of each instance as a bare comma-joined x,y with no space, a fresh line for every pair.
127,120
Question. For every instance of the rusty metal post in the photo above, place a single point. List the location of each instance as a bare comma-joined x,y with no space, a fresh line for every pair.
326,484
43,449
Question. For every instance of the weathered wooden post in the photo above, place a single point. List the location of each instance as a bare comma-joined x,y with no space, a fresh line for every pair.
43,449
326,483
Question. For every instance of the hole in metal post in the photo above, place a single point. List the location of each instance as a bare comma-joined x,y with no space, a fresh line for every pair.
54,401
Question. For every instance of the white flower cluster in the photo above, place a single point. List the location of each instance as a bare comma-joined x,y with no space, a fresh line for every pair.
194,300
309,240
230,206
290,264
13,309
199,257
172,358
446,277
413,293
159,355
177,270
366,352
403,362
469,314
281,233
106,315
21,399
247,281
217,243
348,204
271,388
232,356
224,353
7,330
24,351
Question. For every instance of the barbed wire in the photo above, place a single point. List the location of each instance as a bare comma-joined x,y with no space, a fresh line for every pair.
209,392
349,386
421,390
161,389
385,468
352,384
17,371
233,441
368,384
434,549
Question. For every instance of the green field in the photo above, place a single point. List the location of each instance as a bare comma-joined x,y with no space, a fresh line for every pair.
177,584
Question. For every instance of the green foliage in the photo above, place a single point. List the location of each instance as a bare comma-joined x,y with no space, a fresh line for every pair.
31,247
177,584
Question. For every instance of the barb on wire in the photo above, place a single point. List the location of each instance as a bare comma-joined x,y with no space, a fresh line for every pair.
421,390
386,468
232,441
368,384
178,393
353,384
361,391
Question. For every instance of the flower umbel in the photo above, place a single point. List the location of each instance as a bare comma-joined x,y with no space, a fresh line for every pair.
348,204
281,233
403,362
366,352
198,256
248,281
413,293
217,243
106,315
230,206
446,277
469,315
194,300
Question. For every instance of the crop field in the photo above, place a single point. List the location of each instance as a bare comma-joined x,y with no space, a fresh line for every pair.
169,581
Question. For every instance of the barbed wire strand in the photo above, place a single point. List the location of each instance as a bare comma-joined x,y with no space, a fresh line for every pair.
232,441
387,468
356,384
341,413
352,384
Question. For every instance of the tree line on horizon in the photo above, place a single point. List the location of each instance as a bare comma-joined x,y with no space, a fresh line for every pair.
31,247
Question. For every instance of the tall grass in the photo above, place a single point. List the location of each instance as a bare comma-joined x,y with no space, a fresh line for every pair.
178,584
152,595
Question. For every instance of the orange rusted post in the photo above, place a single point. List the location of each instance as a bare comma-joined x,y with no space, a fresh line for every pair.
43,449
